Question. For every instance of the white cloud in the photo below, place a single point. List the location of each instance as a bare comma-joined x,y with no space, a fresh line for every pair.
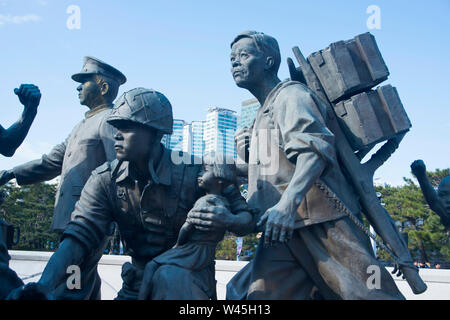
4,19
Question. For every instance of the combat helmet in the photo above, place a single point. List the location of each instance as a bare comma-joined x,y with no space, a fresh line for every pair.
144,106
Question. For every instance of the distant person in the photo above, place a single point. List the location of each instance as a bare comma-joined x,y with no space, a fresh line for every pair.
89,145
438,201
11,138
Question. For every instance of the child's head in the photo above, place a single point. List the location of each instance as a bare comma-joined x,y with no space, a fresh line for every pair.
444,192
218,172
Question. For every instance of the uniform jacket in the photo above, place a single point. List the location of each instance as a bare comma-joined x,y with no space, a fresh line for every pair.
149,215
293,122
88,146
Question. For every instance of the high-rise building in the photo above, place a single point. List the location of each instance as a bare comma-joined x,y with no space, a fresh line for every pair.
187,138
199,137
219,130
248,113
197,141
174,141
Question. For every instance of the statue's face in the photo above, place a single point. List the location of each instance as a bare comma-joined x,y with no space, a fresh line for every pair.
247,63
444,193
206,178
89,92
133,142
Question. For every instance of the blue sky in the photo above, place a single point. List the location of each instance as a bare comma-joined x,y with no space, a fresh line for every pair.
181,48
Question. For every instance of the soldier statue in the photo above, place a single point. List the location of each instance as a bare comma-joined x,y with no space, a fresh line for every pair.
149,196
89,145
438,201
309,249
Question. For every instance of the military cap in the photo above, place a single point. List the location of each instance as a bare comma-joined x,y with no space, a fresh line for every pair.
95,66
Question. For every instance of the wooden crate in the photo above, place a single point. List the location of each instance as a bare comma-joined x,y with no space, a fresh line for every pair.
371,117
346,68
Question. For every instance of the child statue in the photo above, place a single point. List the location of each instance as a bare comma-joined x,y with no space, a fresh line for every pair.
196,246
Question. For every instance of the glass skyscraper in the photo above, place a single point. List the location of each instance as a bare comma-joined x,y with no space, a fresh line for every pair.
215,134
197,140
220,127
175,140
248,113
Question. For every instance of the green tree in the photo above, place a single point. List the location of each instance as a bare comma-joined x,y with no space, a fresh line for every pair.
226,249
436,176
31,209
428,239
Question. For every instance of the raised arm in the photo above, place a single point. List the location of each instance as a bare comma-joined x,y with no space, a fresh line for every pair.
11,138
418,168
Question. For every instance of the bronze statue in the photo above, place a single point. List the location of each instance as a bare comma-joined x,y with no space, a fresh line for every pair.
309,246
195,249
89,145
147,195
11,138
438,201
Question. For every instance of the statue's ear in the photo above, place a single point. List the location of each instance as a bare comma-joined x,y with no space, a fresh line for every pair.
269,63
104,88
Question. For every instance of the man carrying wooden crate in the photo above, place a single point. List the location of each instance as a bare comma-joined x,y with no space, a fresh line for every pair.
310,248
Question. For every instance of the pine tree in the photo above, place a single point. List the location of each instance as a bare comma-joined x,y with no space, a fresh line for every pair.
31,209
428,239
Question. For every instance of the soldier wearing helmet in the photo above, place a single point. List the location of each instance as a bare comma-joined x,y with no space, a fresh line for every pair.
149,197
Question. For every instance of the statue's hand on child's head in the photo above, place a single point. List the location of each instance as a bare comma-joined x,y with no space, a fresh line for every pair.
210,212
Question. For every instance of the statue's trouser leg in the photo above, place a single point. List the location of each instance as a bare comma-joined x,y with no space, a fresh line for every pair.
334,256
237,287
90,279
274,274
